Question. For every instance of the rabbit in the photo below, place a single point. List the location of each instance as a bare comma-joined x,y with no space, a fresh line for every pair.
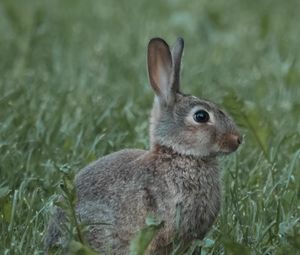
178,174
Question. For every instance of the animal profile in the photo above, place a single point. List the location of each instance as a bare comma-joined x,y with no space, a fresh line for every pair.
179,172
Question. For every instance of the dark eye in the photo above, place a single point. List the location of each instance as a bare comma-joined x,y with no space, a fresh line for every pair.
201,116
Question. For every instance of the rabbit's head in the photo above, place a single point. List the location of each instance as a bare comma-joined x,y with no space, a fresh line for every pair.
185,123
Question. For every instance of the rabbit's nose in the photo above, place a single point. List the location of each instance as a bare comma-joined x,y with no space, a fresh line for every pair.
234,141
230,142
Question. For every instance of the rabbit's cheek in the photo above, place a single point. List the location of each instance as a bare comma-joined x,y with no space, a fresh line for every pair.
205,141
208,134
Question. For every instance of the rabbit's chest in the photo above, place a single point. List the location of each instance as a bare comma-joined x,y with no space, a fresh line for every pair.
196,194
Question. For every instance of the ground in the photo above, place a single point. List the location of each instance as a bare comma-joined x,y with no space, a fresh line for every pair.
73,87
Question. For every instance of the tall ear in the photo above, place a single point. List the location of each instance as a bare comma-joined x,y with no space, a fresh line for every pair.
160,70
177,51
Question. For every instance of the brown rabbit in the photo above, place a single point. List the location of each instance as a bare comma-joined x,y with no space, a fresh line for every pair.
178,174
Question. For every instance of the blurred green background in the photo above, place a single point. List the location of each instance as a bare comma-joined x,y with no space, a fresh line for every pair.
73,87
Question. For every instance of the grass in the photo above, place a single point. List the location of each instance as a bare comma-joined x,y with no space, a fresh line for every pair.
73,87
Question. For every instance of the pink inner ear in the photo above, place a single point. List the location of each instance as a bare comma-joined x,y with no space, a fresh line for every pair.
160,67
160,74
154,74
163,79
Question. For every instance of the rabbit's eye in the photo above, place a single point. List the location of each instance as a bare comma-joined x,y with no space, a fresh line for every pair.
201,116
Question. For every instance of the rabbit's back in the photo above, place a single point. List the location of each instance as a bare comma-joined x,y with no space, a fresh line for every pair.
94,181
102,185
110,200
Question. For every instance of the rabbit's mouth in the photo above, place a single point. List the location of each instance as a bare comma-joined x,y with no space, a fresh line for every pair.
229,142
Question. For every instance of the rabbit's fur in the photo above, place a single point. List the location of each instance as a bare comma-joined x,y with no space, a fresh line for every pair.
179,173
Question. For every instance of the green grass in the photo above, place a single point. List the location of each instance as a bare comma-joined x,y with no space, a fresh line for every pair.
73,87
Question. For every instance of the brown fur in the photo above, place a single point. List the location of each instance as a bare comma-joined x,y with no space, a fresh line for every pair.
177,178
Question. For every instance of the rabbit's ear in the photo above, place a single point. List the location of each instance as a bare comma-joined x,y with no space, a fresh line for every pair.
160,70
177,51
